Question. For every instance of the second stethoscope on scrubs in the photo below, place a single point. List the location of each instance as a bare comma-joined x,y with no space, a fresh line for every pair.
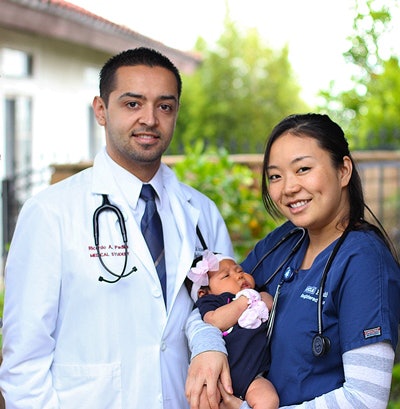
320,343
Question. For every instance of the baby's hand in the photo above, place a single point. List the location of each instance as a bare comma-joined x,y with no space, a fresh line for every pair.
256,312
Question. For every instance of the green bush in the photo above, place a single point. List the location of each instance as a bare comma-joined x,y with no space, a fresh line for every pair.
1,318
235,190
395,391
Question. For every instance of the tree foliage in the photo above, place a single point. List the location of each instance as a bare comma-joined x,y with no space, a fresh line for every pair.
233,187
241,90
380,117
370,110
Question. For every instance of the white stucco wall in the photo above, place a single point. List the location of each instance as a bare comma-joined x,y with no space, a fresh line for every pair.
64,82
61,92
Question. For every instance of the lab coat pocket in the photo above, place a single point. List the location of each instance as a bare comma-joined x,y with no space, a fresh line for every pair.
88,386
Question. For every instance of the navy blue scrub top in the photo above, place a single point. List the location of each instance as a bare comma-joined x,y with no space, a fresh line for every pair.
361,307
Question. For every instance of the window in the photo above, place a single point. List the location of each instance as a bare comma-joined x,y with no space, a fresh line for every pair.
18,123
15,63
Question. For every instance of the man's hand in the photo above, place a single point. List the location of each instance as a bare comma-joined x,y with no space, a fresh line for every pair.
205,370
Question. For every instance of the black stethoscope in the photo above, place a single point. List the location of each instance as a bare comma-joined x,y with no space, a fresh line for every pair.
320,343
107,206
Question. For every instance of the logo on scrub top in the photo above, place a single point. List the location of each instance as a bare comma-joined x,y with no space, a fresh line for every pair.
311,293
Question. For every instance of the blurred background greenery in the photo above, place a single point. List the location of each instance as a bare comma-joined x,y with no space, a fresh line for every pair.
243,88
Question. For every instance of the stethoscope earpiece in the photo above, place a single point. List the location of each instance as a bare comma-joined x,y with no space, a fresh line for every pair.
320,345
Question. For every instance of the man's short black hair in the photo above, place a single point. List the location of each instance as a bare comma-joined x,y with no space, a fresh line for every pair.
136,56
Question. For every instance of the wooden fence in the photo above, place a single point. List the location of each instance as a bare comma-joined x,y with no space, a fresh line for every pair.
379,171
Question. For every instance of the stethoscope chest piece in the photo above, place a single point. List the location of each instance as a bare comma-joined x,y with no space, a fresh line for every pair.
288,275
320,345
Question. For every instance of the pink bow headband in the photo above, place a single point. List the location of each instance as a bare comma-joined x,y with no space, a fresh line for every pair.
199,274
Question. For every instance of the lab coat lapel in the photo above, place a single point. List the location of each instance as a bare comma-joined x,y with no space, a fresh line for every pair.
104,183
186,217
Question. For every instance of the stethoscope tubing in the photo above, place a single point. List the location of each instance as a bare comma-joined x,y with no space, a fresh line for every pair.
107,206
294,249
325,274
321,343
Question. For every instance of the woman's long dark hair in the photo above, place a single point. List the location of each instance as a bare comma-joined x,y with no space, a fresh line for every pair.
330,137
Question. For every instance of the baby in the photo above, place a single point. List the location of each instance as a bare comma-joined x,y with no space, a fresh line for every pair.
226,298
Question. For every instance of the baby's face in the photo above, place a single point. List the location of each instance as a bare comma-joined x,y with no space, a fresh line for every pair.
229,278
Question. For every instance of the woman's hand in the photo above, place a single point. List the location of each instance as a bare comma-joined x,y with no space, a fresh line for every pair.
205,372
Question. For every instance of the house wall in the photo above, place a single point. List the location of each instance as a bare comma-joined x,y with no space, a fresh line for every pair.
69,45
65,79
64,82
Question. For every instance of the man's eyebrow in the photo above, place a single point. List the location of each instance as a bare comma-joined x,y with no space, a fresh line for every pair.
169,97
131,95
140,96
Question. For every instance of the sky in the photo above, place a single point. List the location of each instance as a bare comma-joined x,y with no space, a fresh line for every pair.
314,30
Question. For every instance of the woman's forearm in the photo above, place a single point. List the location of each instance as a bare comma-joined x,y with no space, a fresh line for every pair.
368,374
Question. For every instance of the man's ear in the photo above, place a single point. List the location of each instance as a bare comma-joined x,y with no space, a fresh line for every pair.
99,109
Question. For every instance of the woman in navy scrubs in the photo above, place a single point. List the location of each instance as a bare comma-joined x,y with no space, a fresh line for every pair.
309,177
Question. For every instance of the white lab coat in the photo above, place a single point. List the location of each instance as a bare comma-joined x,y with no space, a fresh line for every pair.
71,341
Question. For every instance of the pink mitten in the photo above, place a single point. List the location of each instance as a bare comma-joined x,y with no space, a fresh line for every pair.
256,312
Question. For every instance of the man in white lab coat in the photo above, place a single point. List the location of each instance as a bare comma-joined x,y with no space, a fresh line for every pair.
72,340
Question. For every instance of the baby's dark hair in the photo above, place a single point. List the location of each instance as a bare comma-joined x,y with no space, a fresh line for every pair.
189,282
201,266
